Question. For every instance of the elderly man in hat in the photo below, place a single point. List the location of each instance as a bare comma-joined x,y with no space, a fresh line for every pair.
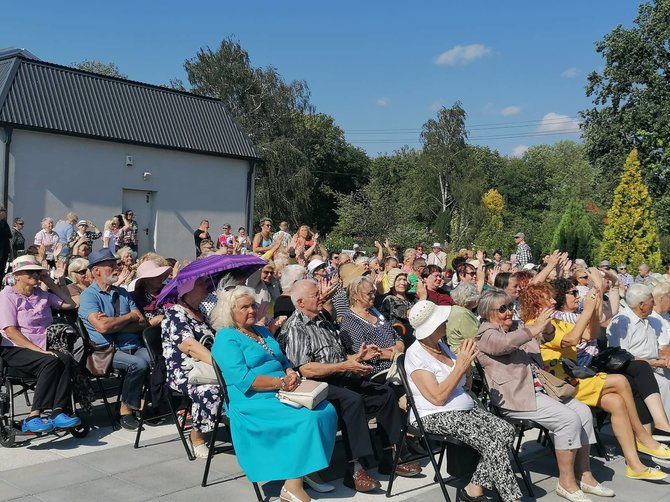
437,256
523,252
111,316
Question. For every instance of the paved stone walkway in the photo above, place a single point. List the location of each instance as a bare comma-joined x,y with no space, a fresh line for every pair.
104,466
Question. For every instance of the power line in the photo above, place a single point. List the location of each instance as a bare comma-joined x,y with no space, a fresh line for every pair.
491,125
472,138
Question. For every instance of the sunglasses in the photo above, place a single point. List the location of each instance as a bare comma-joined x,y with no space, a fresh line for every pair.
583,277
471,274
506,308
573,292
81,272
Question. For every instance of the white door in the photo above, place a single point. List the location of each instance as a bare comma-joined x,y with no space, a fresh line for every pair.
140,202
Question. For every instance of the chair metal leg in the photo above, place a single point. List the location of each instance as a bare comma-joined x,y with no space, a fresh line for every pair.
258,492
524,475
143,413
108,408
212,445
180,429
396,461
600,446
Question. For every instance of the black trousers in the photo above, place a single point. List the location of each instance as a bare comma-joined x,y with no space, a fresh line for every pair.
355,400
54,382
640,375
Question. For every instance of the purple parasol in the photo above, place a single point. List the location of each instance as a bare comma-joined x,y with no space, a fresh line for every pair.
211,266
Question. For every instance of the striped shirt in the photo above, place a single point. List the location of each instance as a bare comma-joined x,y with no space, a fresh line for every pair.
304,340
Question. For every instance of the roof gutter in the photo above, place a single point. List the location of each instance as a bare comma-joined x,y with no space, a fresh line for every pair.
5,185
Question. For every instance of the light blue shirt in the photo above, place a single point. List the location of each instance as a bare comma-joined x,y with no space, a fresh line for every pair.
93,300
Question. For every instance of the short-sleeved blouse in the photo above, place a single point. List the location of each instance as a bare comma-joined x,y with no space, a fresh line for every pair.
588,389
30,314
354,331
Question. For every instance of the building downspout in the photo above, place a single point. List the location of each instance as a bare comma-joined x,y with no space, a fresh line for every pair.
5,187
250,196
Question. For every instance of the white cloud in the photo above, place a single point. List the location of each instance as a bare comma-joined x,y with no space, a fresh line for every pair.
554,122
384,101
570,72
519,150
462,54
510,110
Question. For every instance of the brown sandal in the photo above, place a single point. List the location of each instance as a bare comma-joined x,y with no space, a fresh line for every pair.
362,481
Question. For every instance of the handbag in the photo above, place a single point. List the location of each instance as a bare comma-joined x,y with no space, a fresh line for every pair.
99,360
199,372
390,375
308,394
575,370
612,360
555,387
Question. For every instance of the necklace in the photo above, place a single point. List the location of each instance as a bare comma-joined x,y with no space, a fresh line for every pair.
260,341
431,349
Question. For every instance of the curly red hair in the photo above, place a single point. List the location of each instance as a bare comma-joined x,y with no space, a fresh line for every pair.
534,299
523,278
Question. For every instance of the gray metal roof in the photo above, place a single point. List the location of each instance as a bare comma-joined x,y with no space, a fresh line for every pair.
59,99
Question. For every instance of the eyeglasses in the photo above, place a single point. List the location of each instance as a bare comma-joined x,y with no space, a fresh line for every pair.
370,294
583,277
81,272
573,292
471,274
505,308
622,268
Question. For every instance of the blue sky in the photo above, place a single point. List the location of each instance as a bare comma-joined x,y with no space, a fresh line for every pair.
381,69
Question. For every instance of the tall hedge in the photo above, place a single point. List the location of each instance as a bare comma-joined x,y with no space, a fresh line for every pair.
574,233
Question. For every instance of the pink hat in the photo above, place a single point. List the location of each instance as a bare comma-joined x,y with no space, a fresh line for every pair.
150,269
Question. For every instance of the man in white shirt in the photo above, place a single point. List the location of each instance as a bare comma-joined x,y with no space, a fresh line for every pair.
437,256
637,331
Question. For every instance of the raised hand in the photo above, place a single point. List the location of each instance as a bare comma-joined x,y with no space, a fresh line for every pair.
542,321
467,353
60,269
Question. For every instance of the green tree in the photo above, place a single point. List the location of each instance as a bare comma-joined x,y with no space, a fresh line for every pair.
271,111
631,235
574,233
631,97
107,69
492,235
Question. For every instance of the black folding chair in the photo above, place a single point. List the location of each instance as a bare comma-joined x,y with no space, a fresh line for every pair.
222,418
420,433
151,337
90,347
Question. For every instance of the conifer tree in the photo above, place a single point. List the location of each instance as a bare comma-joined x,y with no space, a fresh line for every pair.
574,233
631,234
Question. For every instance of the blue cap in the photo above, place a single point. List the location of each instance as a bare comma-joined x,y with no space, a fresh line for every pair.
99,256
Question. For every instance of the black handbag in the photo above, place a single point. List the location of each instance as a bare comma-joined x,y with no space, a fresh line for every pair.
575,370
612,360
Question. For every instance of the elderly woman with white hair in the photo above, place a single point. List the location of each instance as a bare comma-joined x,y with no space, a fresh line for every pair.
364,324
273,441
463,324
78,273
437,380
49,239
661,294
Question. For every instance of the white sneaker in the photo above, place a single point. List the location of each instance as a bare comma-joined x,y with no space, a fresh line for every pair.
201,451
577,496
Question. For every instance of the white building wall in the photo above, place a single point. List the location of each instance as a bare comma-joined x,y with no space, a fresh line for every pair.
52,174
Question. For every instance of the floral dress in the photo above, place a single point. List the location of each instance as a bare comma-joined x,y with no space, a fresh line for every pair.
177,326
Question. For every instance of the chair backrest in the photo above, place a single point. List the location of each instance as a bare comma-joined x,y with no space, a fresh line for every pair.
222,383
410,398
486,390
84,333
152,338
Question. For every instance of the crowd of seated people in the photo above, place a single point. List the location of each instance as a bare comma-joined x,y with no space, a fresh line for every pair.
342,317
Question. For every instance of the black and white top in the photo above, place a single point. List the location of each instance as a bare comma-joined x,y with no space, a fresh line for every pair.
354,331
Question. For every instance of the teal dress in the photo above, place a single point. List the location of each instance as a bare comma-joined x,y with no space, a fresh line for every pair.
273,441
